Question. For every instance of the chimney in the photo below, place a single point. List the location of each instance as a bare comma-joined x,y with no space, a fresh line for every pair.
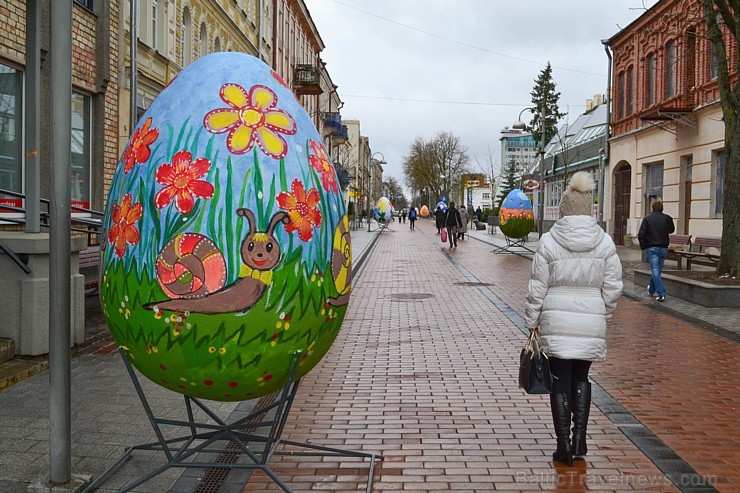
589,105
597,99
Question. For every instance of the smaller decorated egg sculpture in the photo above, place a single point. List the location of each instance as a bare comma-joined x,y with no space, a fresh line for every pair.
424,211
516,218
441,205
383,211
227,256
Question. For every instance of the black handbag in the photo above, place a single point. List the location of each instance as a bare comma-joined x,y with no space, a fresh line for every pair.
534,368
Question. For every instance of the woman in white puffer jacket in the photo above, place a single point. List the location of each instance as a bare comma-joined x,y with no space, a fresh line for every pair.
576,281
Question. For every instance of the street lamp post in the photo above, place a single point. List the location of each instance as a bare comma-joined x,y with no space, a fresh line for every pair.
369,183
519,125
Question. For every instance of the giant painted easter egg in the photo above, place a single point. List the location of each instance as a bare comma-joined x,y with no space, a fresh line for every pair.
383,210
516,219
441,205
227,247
424,211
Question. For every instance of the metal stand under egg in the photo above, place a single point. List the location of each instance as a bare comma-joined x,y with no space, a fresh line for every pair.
515,246
243,438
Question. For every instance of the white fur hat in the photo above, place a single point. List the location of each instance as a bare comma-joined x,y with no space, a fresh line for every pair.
577,200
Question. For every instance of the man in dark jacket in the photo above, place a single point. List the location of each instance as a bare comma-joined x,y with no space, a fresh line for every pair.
452,223
653,237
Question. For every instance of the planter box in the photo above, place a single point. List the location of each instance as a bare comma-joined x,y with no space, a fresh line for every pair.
701,293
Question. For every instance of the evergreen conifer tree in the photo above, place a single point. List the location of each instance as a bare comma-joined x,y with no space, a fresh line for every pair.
544,94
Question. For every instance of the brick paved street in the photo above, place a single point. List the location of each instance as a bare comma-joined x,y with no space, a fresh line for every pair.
424,373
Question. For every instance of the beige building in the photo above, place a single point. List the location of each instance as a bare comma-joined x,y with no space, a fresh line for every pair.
667,131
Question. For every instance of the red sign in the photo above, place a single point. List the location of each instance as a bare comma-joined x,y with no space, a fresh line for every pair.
530,185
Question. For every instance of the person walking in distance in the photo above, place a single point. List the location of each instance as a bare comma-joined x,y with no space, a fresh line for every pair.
653,237
573,290
464,218
439,218
478,213
453,223
412,218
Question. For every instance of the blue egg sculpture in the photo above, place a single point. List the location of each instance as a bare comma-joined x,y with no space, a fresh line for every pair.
516,218
227,253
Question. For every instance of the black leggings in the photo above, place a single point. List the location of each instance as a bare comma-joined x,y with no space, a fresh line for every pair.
565,372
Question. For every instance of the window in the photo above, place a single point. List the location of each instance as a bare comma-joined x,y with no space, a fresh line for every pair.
217,45
203,40
620,100
690,58
11,132
88,4
713,67
653,183
154,23
719,184
187,38
650,79
486,196
630,90
80,176
670,75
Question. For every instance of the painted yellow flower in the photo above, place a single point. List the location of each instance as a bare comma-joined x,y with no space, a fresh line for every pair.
251,117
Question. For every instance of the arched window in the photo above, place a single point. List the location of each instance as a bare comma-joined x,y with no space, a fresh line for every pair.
203,40
187,38
217,45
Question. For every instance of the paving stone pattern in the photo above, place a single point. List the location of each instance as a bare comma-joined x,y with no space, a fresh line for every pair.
423,371
431,384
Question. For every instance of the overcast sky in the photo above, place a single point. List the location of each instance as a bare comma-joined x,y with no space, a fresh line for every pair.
408,68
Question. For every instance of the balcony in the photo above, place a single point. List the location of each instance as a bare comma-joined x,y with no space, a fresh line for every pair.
307,80
333,120
340,136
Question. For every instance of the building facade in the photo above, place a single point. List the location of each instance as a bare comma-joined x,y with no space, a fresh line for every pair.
577,146
25,151
667,131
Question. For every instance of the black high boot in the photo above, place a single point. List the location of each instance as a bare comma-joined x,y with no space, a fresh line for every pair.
560,407
581,402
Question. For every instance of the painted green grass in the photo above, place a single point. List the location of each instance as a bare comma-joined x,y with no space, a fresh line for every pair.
181,351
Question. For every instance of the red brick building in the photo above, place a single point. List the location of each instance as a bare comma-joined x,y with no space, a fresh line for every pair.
667,132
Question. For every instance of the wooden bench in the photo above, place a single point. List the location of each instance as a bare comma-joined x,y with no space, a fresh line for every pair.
89,258
678,243
697,253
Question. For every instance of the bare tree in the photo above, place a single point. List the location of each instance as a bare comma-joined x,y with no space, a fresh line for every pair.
437,165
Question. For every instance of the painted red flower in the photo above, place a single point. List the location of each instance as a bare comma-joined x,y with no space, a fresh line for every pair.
138,148
123,229
302,210
320,162
181,183
251,117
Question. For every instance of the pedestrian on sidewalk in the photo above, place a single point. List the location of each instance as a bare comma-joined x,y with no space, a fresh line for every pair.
653,238
575,283
453,223
412,218
439,218
478,213
464,218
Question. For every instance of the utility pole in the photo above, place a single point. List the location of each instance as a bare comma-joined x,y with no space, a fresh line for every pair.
60,222
541,216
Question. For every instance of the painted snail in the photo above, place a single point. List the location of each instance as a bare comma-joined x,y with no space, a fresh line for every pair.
192,272
341,262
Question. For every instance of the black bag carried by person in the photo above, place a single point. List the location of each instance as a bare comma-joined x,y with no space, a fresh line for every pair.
534,368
